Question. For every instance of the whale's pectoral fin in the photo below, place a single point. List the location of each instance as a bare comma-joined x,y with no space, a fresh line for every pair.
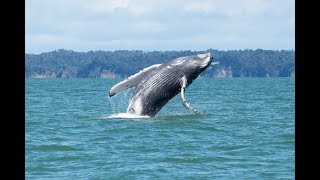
184,101
132,80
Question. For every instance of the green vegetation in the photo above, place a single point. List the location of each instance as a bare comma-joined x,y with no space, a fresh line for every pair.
94,64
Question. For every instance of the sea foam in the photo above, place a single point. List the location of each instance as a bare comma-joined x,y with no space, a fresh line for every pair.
127,116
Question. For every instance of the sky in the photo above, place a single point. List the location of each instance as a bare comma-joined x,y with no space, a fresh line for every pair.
159,25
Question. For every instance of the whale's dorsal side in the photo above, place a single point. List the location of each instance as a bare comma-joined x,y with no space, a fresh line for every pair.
183,99
132,80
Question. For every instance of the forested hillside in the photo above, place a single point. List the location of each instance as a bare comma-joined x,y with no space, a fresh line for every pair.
110,64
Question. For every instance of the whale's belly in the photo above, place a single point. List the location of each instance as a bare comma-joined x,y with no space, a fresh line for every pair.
152,94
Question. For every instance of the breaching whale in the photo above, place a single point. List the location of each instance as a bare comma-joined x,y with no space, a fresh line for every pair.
157,84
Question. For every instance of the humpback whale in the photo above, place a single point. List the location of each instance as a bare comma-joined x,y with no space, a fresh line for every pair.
157,84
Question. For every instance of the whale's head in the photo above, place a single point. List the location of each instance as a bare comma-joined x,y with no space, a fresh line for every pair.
195,64
203,61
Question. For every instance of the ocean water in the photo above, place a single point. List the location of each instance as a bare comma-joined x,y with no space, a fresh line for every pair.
246,131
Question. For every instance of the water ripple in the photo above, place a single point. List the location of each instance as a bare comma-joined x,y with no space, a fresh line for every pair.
246,131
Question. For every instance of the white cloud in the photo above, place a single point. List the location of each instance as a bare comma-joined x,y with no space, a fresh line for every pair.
151,24
112,6
199,6
232,8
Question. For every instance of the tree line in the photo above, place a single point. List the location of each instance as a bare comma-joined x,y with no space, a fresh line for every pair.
63,63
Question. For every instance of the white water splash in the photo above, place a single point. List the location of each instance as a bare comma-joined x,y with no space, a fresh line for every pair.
119,102
116,116
127,116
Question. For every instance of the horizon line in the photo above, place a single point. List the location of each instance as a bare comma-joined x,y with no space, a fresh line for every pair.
146,51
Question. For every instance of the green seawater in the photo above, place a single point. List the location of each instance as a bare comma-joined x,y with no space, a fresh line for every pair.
245,131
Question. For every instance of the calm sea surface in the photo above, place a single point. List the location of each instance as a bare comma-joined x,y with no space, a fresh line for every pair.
245,131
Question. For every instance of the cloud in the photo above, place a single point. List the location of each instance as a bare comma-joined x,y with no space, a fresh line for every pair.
199,6
151,24
230,8
112,6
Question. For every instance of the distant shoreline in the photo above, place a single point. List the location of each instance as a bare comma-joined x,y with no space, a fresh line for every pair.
122,63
